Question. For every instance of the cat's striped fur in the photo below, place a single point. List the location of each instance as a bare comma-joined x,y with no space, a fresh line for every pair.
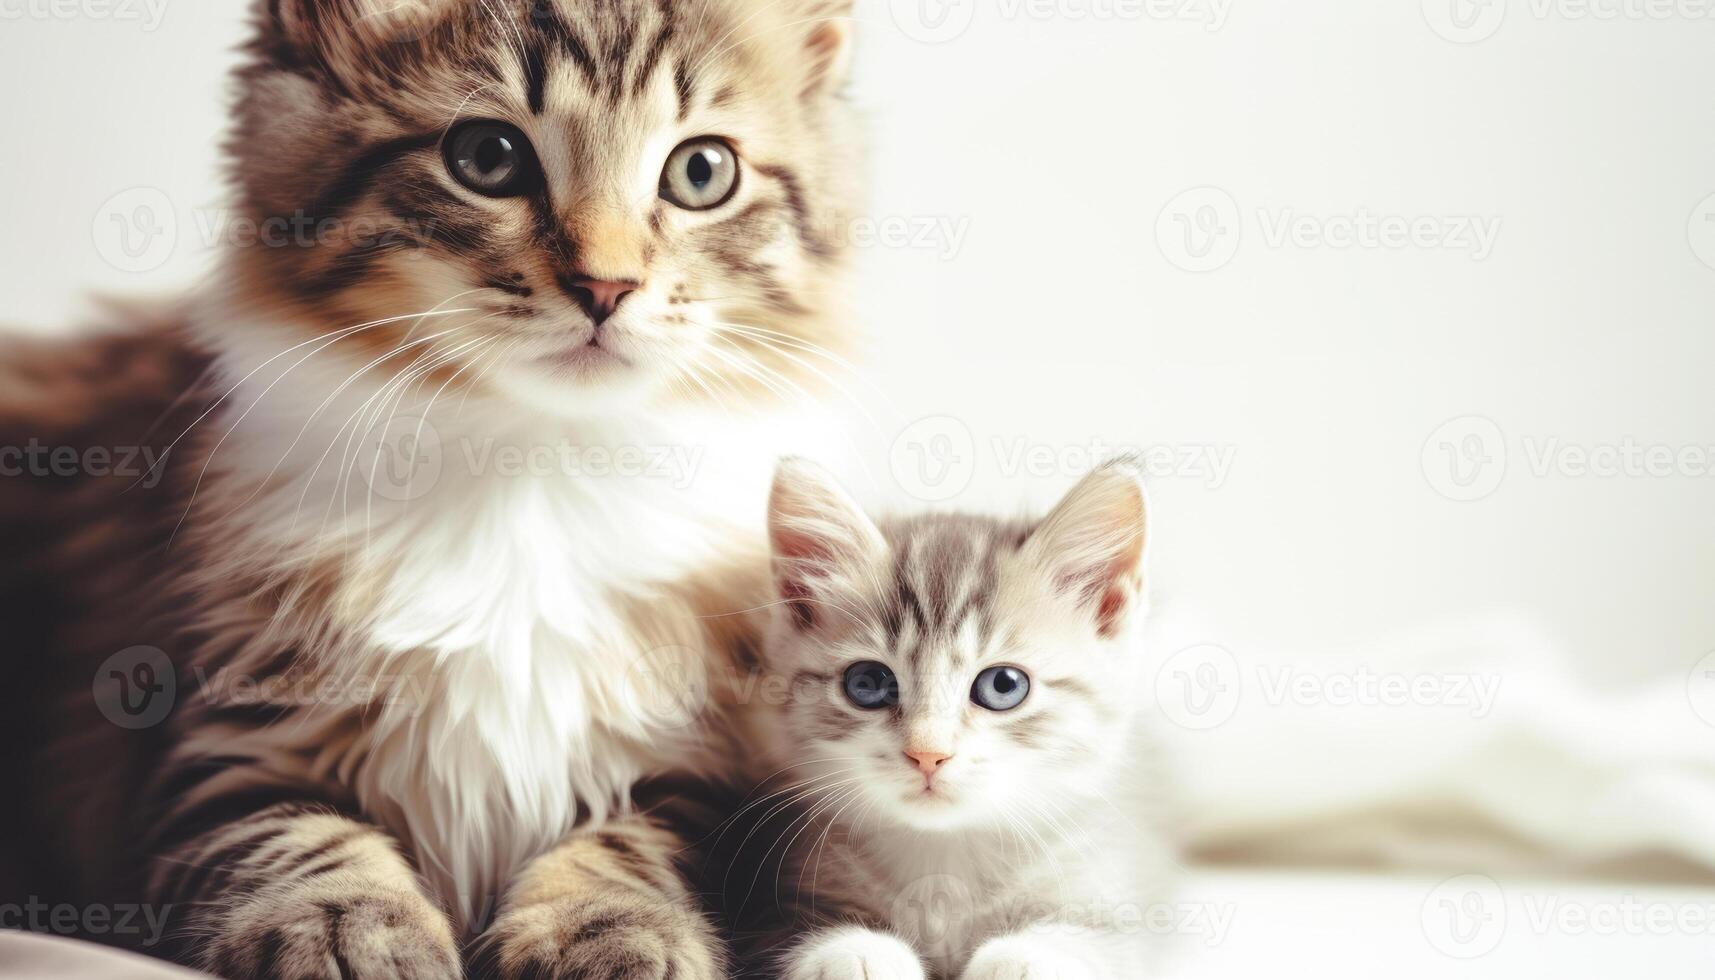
1038,850
406,723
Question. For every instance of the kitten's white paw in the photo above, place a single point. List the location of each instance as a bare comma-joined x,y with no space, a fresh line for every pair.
854,954
1024,958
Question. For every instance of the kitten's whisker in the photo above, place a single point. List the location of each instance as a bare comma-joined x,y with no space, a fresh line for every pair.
816,850
208,461
798,794
774,346
343,331
838,774
1029,828
763,822
481,343
364,422
754,371
807,819
498,357
329,400
763,334
846,799
410,379
310,482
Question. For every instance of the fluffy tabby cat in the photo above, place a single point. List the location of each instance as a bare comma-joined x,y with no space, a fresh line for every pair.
535,230
959,788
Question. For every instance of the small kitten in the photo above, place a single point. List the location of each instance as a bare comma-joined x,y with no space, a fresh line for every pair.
958,793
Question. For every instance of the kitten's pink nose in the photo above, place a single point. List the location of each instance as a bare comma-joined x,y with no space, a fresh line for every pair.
928,762
600,297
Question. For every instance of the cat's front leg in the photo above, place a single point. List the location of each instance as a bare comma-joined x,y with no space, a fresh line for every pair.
852,953
298,891
608,903
1054,954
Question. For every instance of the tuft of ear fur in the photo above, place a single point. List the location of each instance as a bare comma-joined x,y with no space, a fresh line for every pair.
820,537
824,28
1093,543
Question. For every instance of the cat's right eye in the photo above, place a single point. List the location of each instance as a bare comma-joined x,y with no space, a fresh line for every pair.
870,685
701,174
492,158
1001,688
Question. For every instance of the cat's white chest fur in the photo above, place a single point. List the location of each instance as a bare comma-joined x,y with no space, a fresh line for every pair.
497,607
512,607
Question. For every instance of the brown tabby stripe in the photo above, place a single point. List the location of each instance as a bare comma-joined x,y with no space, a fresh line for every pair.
945,573
685,85
651,60
604,904
807,234
362,172
536,74
237,880
546,19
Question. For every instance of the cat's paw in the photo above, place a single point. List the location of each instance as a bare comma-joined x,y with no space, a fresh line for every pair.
358,934
1024,958
854,954
611,938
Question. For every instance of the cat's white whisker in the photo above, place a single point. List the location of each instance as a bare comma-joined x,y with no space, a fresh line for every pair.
310,480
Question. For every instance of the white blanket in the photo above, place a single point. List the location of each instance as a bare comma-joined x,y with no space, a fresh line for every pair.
1467,746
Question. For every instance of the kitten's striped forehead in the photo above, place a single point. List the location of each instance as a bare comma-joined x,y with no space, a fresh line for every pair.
424,60
944,596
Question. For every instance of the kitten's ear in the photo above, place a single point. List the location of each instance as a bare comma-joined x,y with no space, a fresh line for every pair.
826,29
823,542
1093,543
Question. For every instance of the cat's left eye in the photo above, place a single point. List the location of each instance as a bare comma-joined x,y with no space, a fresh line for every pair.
492,158
701,174
1001,688
870,685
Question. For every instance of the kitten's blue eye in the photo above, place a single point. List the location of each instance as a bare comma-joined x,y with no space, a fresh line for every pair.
492,158
1001,688
701,174
870,685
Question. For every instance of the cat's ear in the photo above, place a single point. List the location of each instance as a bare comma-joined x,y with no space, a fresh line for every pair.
823,542
1093,544
825,30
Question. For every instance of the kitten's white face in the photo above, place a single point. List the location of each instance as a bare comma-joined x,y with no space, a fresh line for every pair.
953,672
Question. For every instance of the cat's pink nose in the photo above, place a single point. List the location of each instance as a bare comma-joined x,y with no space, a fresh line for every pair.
600,297
928,762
